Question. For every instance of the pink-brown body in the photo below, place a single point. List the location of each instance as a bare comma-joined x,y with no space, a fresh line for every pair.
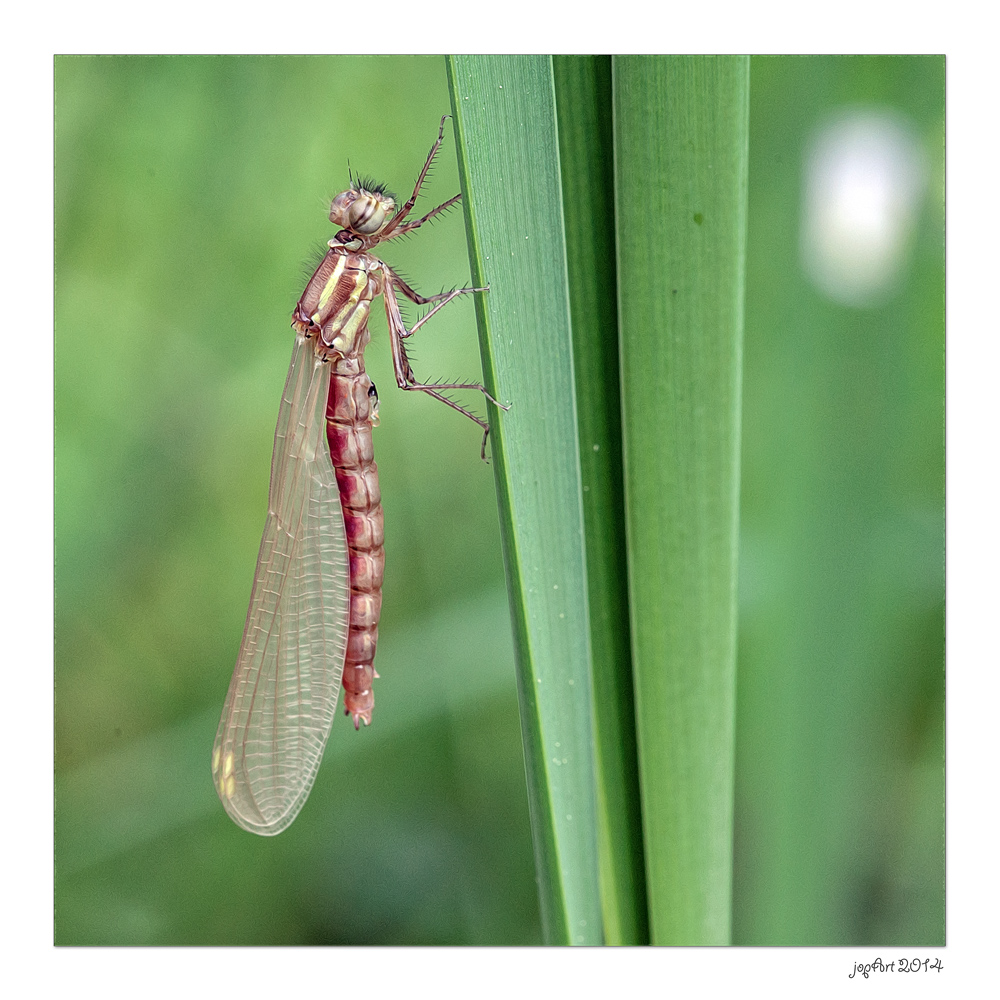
334,310
349,432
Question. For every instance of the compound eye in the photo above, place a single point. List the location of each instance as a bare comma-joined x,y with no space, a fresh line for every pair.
340,208
369,213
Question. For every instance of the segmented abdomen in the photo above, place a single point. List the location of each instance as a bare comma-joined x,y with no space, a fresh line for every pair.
352,411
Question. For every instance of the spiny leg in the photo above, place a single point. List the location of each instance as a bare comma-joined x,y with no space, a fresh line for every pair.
406,209
410,226
444,301
406,379
415,296
430,390
442,298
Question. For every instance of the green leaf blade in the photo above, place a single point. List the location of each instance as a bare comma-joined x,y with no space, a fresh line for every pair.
508,157
681,174
584,100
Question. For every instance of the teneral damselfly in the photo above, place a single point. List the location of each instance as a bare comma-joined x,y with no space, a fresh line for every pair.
312,626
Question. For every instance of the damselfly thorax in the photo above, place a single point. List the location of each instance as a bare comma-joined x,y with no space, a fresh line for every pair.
335,304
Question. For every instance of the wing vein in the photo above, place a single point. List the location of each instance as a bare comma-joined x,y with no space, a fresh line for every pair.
283,695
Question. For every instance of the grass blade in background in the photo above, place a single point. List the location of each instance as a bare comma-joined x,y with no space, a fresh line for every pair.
505,125
681,128
583,98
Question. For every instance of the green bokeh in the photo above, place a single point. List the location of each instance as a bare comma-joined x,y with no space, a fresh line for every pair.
189,200
840,726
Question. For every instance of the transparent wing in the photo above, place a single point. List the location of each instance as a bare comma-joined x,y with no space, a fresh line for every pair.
285,687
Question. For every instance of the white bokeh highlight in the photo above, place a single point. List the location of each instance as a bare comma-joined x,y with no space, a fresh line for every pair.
865,177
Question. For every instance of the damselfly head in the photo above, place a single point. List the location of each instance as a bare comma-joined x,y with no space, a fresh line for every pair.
362,211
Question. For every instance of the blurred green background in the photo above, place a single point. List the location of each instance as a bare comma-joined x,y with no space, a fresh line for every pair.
840,665
189,201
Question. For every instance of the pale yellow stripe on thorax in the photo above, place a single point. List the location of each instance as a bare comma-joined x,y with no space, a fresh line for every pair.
351,317
330,287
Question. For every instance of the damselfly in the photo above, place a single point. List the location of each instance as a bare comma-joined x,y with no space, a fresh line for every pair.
317,593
